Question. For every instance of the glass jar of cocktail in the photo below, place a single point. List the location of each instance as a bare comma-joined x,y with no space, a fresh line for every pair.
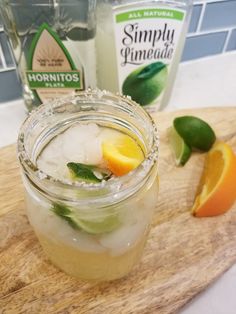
89,168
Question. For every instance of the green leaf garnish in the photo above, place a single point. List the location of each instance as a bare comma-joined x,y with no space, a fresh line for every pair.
108,223
151,70
65,213
83,172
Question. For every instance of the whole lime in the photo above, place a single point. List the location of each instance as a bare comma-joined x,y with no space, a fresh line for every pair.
146,83
195,132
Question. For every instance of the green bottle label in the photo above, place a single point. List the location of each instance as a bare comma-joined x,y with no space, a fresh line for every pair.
51,71
146,41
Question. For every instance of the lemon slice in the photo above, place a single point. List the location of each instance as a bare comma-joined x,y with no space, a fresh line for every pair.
181,150
122,154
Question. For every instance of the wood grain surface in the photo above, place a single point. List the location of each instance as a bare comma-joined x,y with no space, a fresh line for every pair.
182,257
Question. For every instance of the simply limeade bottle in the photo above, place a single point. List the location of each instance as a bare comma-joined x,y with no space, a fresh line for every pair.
139,45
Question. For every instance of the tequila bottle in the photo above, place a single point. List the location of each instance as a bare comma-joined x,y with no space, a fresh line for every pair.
53,44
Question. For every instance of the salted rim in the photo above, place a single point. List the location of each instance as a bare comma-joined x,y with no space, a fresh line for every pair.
90,94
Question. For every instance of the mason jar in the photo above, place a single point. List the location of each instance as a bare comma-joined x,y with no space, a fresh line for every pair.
129,200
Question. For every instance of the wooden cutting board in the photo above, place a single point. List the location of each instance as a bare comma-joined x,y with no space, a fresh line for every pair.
182,257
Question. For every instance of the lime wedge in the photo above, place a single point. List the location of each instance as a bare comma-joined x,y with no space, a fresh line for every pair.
195,132
181,150
108,224
94,226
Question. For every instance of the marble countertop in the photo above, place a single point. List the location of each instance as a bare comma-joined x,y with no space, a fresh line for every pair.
202,83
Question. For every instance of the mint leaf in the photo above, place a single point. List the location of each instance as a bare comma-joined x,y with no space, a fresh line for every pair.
83,172
65,213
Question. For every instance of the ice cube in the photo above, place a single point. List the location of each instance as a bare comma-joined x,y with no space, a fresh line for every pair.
122,239
93,152
73,151
80,143
54,227
93,129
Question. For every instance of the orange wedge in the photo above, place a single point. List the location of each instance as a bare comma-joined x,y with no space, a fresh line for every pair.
217,188
122,154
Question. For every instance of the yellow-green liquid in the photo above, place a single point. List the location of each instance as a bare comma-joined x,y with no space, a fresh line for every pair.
97,266
99,256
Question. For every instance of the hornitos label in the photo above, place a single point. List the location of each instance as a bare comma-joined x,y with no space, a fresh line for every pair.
146,40
51,70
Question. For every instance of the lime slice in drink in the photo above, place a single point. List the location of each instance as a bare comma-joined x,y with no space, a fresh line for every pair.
108,223
195,132
181,150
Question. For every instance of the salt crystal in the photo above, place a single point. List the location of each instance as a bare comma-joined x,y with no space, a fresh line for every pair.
41,175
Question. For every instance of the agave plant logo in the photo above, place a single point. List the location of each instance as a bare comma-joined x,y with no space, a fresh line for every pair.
51,66
47,47
50,57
